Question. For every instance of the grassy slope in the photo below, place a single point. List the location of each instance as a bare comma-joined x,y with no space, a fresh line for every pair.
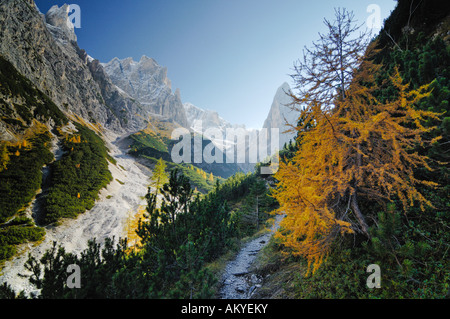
22,160
23,110
19,182
78,177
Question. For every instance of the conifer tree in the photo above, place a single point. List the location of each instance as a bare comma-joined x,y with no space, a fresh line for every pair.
351,147
327,68
4,156
257,190
159,176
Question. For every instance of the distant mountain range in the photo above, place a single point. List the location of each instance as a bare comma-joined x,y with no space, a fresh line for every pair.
200,119
281,116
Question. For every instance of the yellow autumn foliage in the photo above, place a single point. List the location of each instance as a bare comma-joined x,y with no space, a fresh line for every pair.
134,241
76,139
4,156
22,142
360,149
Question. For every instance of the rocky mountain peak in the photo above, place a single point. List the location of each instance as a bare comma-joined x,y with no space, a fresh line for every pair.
44,50
201,120
147,82
57,19
282,92
281,115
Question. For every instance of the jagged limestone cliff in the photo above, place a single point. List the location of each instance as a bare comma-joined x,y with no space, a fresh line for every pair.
43,48
147,82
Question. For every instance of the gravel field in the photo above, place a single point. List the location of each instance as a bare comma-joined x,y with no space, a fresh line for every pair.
107,219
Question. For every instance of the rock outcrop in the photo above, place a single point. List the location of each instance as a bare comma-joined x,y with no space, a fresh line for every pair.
147,82
59,24
281,115
201,120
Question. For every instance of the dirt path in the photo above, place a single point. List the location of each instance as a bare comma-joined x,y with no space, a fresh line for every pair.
107,219
238,281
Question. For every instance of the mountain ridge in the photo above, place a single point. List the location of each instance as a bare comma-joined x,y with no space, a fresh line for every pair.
147,82
282,116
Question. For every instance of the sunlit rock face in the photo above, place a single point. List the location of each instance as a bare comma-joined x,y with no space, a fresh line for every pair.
147,82
281,115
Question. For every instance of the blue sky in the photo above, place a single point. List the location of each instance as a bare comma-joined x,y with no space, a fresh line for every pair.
225,55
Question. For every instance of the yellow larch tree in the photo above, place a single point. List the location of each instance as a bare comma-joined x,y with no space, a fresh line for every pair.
4,156
160,176
361,149
132,225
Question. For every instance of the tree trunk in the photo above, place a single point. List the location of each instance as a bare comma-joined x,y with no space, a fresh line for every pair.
359,216
257,213
354,201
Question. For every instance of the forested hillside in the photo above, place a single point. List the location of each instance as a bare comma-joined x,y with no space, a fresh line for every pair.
31,123
154,143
